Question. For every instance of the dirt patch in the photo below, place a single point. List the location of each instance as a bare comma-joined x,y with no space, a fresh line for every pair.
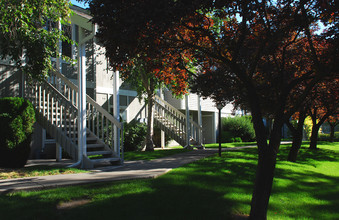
72,204
240,217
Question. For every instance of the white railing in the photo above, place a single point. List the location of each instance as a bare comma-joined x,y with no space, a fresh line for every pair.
55,113
99,121
175,121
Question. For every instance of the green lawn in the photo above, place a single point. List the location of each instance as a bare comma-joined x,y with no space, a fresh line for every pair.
151,155
212,188
9,173
227,145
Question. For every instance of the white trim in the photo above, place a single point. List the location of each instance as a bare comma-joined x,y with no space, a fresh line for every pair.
104,90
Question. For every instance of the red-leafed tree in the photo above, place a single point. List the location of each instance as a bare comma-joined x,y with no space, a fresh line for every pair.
146,76
325,103
252,40
311,101
333,121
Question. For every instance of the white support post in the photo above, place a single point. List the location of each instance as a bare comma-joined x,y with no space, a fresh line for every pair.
162,134
59,59
188,123
116,111
82,103
200,121
58,152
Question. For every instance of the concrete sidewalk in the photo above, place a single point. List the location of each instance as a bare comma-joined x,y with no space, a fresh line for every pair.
130,170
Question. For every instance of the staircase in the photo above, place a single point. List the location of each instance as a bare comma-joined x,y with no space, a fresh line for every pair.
174,124
56,103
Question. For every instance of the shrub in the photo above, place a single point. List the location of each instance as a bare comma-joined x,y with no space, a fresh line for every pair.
228,137
326,137
241,127
16,118
134,135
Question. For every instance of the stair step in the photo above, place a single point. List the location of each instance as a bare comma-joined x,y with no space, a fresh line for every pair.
88,139
90,153
95,146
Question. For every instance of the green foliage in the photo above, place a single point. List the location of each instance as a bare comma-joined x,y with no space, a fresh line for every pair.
134,135
237,127
308,127
23,33
228,137
16,118
326,137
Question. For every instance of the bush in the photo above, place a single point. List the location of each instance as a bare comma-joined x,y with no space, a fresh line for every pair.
134,135
238,127
16,118
326,137
228,137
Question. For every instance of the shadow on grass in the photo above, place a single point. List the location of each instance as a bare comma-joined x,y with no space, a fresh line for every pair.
306,155
212,188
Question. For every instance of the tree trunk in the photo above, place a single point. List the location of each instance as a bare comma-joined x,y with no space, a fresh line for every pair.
265,174
314,136
332,125
267,154
149,136
296,144
297,138
263,184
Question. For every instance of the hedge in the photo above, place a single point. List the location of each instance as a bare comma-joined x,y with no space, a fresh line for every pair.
16,118
237,127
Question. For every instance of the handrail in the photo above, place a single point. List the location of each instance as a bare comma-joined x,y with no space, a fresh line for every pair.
66,80
57,114
104,112
88,99
156,98
176,121
99,121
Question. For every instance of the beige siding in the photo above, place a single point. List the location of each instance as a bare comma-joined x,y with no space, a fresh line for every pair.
207,105
10,80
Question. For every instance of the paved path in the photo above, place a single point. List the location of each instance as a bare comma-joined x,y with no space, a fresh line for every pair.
130,170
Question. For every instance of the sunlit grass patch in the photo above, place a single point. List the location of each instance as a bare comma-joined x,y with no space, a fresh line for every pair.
9,173
212,188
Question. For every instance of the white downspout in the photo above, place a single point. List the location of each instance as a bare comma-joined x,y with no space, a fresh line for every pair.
200,122
116,111
188,124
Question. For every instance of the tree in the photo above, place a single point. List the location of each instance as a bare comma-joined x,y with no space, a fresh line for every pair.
333,122
252,40
28,35
325,99
297,134
139,73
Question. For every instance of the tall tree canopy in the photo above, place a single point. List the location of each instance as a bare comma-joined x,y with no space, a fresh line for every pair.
254,42
28,32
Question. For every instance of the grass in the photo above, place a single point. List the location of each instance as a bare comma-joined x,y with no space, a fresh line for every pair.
9,173
151,155
227,145
212,188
